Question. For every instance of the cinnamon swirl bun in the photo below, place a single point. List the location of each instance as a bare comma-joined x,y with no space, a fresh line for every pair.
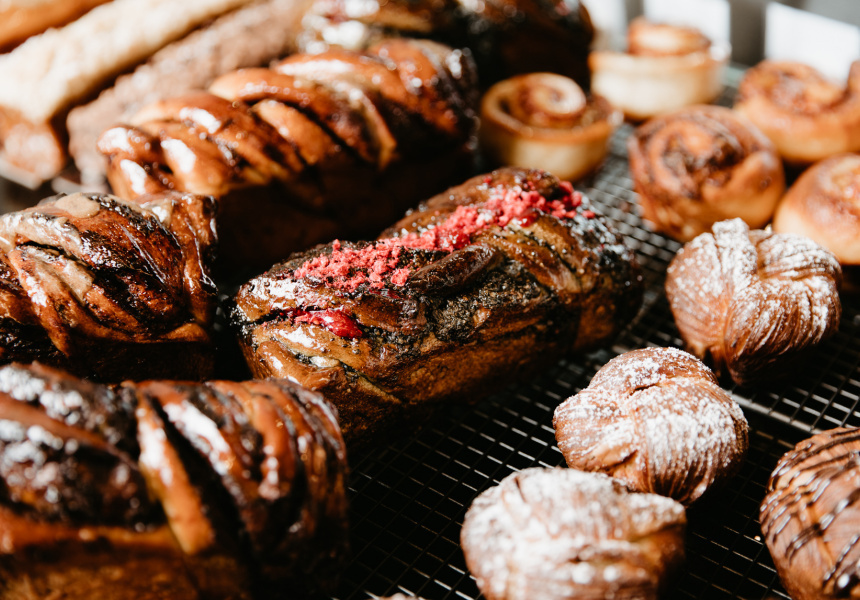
807,116
666,67
700,165
546,121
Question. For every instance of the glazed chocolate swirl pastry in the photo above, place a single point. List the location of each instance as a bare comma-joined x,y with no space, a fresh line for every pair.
334,144
657,420
109,288
701,165
166,490
481,285
753,301
807,116
809,517
545,121
559,534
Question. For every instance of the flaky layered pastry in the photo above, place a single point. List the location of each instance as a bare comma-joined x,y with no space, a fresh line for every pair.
483,284
752,301
110,288
657,420
167,490
560,534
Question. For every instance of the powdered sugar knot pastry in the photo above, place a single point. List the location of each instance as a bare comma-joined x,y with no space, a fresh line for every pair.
559,533
752,299
658,420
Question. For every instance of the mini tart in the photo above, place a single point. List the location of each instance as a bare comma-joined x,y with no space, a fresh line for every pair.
824,204
807,116
545,121
665,68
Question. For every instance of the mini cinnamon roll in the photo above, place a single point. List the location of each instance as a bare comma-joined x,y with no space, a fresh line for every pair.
546,121
666,67
806,115
701,165
824,204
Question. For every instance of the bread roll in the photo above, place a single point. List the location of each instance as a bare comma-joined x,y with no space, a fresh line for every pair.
19,19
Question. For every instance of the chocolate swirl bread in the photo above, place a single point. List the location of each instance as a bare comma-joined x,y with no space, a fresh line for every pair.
166,490
480,286
334,144
109,288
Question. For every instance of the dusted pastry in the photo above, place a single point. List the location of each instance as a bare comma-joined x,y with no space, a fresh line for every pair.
824,205
559,534
482,285
657,420
166,490
807,116
19,19
810,513
110,288
319,146
701,165
665,68
546,121
753,301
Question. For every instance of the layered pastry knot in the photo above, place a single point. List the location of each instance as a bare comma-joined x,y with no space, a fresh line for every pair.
110,288
658,420
753,300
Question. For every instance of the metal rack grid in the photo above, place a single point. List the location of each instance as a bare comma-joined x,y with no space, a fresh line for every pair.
409,499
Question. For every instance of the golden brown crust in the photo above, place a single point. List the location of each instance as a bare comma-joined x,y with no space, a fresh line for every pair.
807,116
701,165
17,23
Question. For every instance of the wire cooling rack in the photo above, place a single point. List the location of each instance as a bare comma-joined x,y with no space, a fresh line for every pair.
409,499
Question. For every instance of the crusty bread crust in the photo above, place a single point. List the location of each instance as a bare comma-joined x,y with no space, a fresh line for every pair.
19,19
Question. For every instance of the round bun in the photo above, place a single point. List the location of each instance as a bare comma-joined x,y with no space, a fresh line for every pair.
810,513
701,165
559,534
658,420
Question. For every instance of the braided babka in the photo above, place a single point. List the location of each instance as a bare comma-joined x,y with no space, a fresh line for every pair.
110,288
339,143
481,285
166,490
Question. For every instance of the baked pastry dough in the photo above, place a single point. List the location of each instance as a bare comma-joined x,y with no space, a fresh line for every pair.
752,301
657,420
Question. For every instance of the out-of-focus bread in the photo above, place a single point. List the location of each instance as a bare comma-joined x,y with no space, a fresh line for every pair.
19,19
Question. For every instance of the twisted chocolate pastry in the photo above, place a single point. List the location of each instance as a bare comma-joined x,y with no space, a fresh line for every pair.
560,534
338,143
109,288
657,420
166,490
809,517
753,301
807,116
701,165
480,286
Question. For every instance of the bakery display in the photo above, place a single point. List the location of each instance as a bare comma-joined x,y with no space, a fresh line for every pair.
809,516
665,68
808,116
700,165
167,490
338,143
564,534
753,301
824,205
480,286
19,19
546,121
658,420
109,288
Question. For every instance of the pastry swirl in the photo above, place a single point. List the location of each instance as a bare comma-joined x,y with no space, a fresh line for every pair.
701,165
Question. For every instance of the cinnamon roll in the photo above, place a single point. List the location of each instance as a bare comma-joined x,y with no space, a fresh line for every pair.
701,165
810,513
666,67
561,534
753,302
824,205
657,420
807,116
546,121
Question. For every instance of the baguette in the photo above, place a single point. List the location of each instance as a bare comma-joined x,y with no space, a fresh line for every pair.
19,19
